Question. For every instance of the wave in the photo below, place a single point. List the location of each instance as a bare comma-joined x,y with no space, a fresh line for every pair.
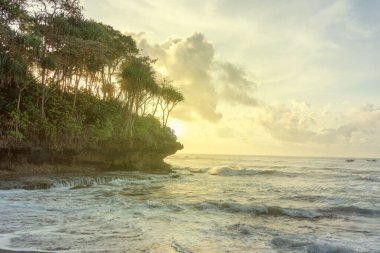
310,247
316,199
278,167
259,210
199,170
352,210
241,229
287,243
232,207
72,182
179,248
328,248
237,171
324,168
370,178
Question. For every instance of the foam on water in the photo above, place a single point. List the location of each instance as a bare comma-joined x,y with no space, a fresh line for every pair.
310,246
327,248
370,178
353,210
6,240
179,248
246,171
211,204
259,209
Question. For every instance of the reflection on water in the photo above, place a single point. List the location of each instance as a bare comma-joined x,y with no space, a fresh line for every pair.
210,204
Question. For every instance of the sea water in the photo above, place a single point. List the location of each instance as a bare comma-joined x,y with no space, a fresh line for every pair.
208,204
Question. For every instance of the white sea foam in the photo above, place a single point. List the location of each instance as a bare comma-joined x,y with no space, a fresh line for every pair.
5,241
199,170
179,248
327,248
310,246
260,204
224,170
352,210
370,178
259,209
239,171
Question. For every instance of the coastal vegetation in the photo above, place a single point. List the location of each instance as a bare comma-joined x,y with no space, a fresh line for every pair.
70,84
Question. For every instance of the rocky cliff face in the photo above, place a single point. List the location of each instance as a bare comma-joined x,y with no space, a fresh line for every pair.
107,157
131,159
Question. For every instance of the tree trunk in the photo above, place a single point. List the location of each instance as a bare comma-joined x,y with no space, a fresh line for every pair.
77,79
43,93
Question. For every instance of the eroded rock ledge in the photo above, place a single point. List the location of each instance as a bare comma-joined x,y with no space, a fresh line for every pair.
47,161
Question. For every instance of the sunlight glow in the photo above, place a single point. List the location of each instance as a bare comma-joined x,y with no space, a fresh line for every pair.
177,127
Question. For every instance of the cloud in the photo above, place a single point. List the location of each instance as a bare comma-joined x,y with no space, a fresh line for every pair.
226,132
205,81
188,61
290,123
296,122
237,86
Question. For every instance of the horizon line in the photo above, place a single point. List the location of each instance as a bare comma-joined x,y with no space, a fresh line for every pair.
287,156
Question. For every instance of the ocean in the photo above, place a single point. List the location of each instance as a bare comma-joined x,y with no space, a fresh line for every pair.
210,203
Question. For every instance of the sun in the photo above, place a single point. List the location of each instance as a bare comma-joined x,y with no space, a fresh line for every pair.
177,127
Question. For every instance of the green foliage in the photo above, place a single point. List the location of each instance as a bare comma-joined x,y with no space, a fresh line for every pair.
12,70
21,119
18,122
58,86
151,135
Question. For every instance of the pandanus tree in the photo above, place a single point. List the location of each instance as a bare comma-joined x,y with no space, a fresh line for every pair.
106,50
50,18
16,53
170,98
137,83
16,47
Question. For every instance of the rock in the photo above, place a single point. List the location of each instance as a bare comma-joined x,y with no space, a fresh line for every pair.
36,185
41,161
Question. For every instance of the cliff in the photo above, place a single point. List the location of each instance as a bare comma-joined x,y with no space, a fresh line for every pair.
46,161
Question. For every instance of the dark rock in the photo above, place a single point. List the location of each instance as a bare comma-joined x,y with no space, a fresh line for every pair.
103,158
37,185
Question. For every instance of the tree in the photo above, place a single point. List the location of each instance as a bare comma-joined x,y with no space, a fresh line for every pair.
137,84
170,98
70,81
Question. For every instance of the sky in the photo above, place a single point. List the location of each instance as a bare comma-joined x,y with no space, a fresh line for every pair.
293,78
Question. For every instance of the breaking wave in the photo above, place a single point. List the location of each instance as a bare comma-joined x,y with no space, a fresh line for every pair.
352,210
73,182
370,178
289,212
259,210
178,248
310,246
237,171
